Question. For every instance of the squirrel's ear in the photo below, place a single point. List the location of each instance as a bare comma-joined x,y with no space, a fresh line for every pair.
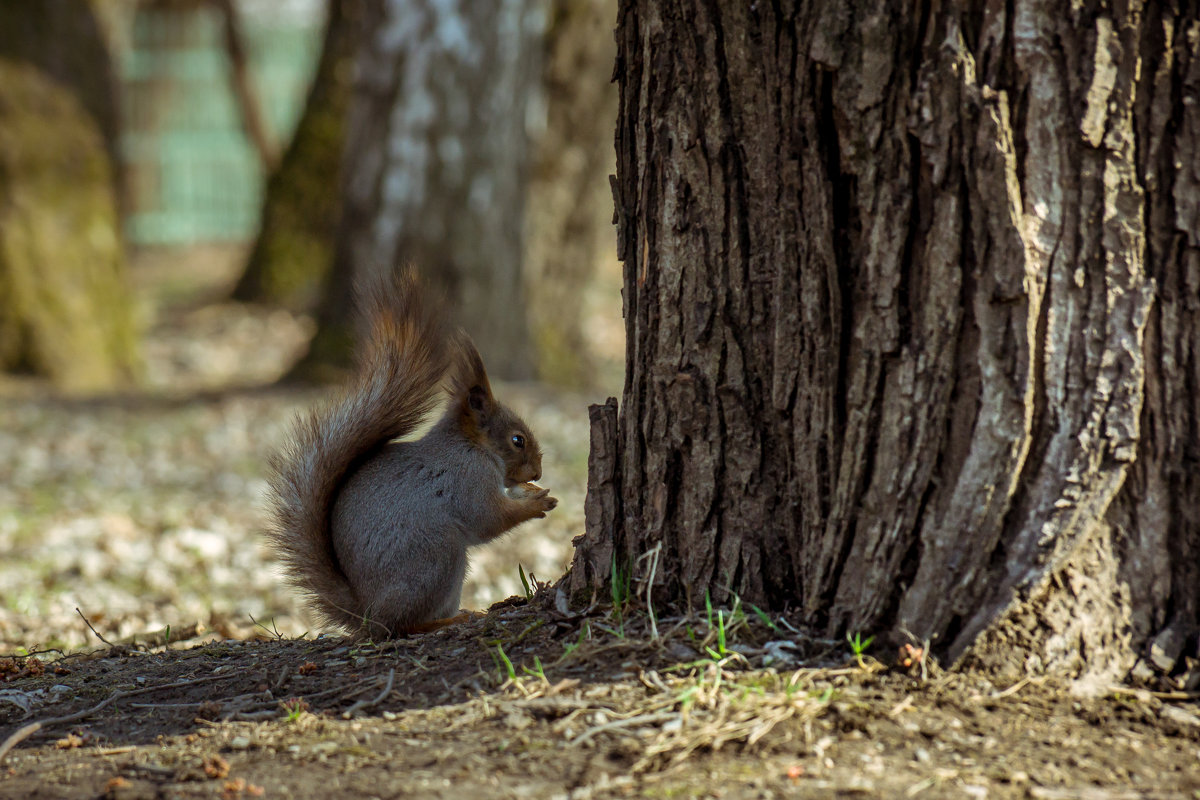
478,399
471,380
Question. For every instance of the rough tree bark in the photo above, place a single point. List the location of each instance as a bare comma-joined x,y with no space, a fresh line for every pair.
436,166
912,294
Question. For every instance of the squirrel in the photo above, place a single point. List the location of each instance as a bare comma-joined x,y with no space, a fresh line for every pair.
375,531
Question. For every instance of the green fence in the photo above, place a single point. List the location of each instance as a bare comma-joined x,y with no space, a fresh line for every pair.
193,175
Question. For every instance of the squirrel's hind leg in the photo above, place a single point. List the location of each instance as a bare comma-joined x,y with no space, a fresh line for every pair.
436,624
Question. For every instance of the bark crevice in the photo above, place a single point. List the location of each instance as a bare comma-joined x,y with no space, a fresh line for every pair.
932,283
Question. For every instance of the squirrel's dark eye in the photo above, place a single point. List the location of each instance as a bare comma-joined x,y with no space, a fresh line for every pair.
518,441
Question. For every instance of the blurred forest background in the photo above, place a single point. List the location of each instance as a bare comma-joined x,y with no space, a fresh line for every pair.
187,190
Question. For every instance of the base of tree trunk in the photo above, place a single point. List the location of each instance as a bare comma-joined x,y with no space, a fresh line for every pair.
912,326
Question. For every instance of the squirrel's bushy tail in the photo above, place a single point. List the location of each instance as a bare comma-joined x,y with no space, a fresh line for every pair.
400,369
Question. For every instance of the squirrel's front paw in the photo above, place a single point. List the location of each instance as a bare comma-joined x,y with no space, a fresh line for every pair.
534,497
544,502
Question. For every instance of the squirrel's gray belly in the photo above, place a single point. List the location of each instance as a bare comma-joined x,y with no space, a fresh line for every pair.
400,551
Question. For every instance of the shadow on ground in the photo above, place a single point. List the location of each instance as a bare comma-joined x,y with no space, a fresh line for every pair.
531,703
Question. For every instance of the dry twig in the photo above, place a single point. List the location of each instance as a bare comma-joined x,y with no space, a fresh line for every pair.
363,704
89,624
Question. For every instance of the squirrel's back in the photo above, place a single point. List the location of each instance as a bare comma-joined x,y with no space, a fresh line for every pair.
403,359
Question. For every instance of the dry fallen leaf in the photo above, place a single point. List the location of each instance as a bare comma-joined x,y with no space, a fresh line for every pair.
216,767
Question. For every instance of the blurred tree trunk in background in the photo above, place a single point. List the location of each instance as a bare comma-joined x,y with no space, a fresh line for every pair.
254,121
436,168
913,317
64,40
569,234
65,311
294,248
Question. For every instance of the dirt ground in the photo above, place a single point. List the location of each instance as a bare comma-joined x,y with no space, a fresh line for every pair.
532,703
139,515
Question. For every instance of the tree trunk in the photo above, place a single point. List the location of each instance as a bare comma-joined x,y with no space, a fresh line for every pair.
65,312
65,41
569,230
436,166
911,296
241,86
292,254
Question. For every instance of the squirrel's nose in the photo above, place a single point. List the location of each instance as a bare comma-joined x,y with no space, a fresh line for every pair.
537,476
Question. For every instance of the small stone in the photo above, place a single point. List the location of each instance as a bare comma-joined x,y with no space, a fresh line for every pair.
1181,716
1190,680
1167,647
681,652
1141,671
239,743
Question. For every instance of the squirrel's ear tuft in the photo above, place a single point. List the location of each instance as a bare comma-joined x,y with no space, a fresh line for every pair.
470,379
470,387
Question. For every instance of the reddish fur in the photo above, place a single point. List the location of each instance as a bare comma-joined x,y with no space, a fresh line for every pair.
514,512
433,625
470,374
396,386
